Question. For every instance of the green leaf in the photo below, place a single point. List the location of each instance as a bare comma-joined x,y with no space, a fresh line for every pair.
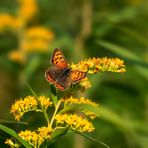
94,140
60,131
15,135
135,35
31,67
13,122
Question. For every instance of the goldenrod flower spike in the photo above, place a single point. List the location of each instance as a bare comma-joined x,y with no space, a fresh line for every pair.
85,83
82,100
94,65
28,104
36,138
74,122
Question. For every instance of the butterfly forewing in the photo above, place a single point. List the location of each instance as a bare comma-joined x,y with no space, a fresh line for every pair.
58,59
52,74
77,75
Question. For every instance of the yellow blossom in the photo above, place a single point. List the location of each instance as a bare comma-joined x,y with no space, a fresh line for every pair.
28,104
81,100
17,56
36,138
8,21
74,122
22,106
27,9
11,143
45,102
89,114
45,132
85,83
94,65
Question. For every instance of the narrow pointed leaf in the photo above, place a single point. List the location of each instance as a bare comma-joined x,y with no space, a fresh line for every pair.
94,140
15,135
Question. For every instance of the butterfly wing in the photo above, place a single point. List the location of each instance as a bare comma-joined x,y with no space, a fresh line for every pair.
58,59
63,82
52,74
77,75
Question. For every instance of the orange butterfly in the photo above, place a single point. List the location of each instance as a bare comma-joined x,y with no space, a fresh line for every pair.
60,74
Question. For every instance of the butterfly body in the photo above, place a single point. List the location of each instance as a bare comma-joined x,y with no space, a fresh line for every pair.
60,74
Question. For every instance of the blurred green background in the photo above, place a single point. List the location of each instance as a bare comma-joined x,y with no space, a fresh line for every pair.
31,29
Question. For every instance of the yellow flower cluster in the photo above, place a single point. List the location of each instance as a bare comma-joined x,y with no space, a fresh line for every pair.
45,102
94,65
81,100
12,143
37,39
27,9
28,104
35,138
85,83
74,122
8,22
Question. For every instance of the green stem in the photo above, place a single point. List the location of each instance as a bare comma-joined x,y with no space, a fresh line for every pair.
36,97
54,114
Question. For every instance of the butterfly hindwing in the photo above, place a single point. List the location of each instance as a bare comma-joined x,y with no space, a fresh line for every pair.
58,59
63,82
52,74
77,75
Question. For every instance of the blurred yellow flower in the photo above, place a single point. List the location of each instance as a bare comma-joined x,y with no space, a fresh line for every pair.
8,21
17,55
74,122
27,9
12,143
37,39
39,32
